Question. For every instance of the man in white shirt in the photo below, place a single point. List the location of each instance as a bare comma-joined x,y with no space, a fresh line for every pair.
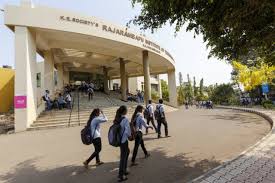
150,116
161,119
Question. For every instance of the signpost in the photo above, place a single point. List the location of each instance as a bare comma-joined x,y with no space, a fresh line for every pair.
265,90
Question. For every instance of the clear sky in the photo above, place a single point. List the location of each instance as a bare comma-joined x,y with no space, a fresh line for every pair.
190,54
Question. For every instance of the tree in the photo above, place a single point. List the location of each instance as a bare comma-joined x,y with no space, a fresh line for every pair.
223,94
232,29
180,79
189,94
201,87
195,87
165,91
252,77
180,90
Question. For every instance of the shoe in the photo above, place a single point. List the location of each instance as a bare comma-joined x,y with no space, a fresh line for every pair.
147,155
167,136
134,164
122,178
159,137
127,173
85,164
99,163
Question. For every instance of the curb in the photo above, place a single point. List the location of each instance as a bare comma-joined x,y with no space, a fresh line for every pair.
272,130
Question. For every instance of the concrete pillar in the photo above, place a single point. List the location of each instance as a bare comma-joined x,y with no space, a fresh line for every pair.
49,71
127,83
66,77
105,73
159,87
146,73
123,79
27,3
172,88
110,84
60,77
25,78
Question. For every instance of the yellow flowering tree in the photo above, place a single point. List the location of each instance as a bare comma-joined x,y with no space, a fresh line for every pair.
251,77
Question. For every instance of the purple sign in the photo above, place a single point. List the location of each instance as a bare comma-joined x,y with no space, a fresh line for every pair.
20,102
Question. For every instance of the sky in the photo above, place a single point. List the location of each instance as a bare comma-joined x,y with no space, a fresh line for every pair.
190,53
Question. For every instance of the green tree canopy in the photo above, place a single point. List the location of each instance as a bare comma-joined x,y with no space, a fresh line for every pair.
165,91
233,29
223,94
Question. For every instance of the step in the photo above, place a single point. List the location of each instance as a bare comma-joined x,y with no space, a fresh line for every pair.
52,126
45,118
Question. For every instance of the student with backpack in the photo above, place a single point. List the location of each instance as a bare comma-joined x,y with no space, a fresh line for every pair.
149,115
139,122
118,136
96,117
160,117
90,93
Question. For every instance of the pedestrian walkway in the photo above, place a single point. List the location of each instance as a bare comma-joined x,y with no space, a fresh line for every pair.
256,165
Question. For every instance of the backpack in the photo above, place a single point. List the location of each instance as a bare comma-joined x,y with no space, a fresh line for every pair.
157,113
133,130
44,98
85,134
146,113
114,134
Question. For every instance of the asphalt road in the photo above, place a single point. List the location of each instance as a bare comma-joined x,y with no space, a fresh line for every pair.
200,140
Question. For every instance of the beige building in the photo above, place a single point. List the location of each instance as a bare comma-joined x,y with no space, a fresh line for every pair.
78,47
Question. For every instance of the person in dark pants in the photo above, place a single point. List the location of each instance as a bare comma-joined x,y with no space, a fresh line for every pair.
124,147
94,123
161,119
150,116
139,122
90,93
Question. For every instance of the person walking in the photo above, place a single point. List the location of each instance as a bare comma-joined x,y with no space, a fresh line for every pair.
90,93
150,115
124,146
139,122
96,117
161,118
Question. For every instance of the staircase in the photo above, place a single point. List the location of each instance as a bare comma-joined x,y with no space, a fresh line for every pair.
61,118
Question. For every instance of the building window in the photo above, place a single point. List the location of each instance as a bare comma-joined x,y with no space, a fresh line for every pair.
38,80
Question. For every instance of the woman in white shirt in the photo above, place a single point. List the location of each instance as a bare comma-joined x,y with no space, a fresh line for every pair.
94,121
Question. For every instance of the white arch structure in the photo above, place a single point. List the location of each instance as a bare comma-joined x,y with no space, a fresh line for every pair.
73,42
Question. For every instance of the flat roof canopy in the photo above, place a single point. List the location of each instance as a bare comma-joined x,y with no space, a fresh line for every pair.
87,44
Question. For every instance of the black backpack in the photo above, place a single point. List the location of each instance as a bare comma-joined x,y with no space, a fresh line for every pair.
146,113
85,134
44,98
157,113
114,134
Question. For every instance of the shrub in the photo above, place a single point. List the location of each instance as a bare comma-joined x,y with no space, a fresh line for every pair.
154,95
268,104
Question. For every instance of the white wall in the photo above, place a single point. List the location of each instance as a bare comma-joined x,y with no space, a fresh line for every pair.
25,77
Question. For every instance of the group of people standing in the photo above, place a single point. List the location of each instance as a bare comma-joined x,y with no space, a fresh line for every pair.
130,131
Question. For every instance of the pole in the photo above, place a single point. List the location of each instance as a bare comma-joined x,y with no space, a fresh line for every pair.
78,107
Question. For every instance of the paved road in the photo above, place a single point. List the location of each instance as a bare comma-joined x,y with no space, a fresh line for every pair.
201,140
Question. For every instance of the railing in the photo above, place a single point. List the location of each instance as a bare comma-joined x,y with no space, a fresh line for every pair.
76,94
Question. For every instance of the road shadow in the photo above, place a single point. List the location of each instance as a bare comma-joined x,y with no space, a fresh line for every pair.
236,117
157,168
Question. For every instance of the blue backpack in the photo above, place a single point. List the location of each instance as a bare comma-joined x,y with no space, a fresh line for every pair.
86,136
114,134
